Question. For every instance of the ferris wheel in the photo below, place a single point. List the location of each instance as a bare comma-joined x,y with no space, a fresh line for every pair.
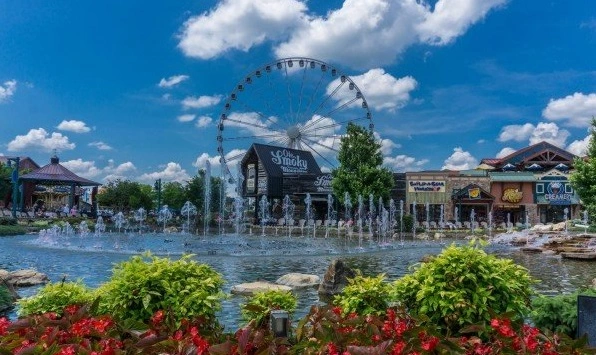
298,103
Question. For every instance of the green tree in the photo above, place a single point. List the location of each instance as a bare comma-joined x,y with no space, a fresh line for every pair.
584,176
360,171
125,195
5,184
173,194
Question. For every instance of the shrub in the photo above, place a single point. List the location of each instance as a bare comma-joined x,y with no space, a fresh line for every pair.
364,295
53,297
558,313
464,285
144,284
11,230
259,307
5,298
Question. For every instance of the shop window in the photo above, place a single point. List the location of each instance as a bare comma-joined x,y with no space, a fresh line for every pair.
540,188
568,189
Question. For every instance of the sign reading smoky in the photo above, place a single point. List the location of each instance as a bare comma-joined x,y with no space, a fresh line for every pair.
289,162
323,183
426,186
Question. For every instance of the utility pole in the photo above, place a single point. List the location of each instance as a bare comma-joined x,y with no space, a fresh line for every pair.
15,183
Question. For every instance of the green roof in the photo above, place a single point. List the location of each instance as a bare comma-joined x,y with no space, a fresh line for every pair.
512,176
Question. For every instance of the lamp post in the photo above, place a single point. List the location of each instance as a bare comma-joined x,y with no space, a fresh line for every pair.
158,189
15,183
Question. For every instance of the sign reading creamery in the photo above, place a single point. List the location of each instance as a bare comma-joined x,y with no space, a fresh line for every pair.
426,186
512,195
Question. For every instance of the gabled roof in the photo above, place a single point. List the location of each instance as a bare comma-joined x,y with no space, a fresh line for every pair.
543,153
54,173
279,161
465,193
24,162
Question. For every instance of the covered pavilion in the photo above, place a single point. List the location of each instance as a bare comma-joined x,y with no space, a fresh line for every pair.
55,176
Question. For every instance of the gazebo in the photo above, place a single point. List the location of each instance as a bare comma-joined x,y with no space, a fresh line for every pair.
58,177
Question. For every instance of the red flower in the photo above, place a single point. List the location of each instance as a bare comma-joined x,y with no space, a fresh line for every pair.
337,310
69,350
71,309
376,338
430,343
157,318
398,348
332,349
4,323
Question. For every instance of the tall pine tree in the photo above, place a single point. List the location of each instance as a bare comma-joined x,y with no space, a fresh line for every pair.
361,171
583,178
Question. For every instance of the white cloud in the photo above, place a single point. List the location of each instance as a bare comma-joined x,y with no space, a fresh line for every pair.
387,145
203,121
82,168
574,110
171,172
481,141
186,118
233,157
505,152
201,102
403,163
172,81
100,145
39,139
74,126
543,131
7,90
371,33
451,18
381,90
460,160
362,33
516,133
551,133
580,147
208,35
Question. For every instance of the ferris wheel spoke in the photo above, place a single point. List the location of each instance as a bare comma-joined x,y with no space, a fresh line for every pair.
262,136
334,124
339,108
312,141
327,98
319,154
267,119
315,91
289,89
301,93
235,157
253,124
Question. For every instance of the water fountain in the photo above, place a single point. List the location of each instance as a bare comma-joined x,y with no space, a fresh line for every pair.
490,224
287,208
441,223
401,222
456,214
472,221
566,217
509,224
371,215
239,208
330,214
391,220
308,215
207,201
414,220
263,213
140,216
427,210
100,226
188,210
360,220
118,220
83,228
164,216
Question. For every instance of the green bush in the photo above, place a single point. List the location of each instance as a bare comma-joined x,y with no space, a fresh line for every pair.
464,285
5,298
145,284
8,221
260,305
558,313
364,295
11,230
53,297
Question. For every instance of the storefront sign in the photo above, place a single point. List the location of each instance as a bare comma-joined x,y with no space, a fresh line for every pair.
426,186
262,185
323,183
250,178
512,195
289,162
556,194
474,194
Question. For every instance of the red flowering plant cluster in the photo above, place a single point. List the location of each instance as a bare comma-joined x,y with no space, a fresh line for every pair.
503,336
76,332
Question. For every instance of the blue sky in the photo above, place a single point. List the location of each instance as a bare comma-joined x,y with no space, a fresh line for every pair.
135,89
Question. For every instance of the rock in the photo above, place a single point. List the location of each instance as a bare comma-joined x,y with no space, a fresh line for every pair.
422,236
252,288
558,227
27,277
335,279
439,236
296,280
541,228
594,283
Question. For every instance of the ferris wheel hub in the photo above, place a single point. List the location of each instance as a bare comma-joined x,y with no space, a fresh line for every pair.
293,132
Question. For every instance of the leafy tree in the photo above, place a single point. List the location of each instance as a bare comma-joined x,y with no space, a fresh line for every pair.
5,184
360,171
584,175
125,195
173,194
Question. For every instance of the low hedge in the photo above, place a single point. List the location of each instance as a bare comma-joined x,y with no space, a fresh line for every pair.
11,230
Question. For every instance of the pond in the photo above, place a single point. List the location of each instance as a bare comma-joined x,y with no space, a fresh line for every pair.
250,258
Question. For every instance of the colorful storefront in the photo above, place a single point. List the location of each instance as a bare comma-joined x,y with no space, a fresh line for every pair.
514,197
555,197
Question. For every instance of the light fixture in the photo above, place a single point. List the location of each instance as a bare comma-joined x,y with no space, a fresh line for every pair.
279,323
